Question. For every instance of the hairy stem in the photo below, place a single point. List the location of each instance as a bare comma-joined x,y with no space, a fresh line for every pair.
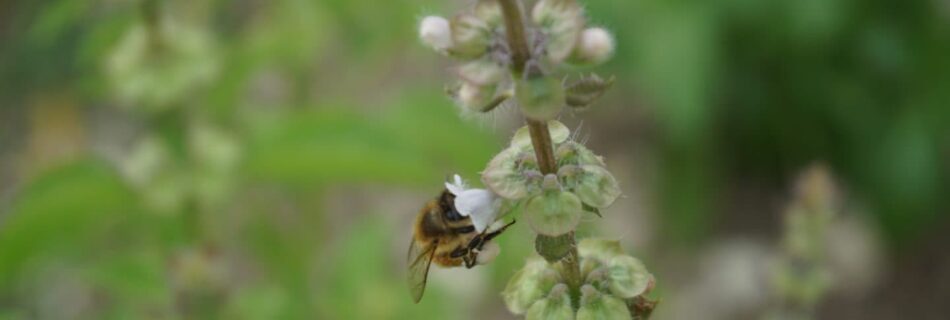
540,136
514,30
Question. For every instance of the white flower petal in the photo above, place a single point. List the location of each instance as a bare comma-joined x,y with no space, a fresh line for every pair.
457,186
479,205
436,32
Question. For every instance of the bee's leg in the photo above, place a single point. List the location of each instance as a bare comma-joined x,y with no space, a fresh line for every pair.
460,252
479,240
493,234
470,260
476,242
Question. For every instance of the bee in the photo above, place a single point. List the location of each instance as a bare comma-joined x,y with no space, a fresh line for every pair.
442,235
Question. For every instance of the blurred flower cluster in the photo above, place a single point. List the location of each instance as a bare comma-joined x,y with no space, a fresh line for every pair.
801,276
160,62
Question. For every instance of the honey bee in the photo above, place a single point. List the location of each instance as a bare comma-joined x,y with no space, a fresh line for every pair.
442,235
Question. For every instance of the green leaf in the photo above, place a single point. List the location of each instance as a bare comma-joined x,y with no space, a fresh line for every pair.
58,209
327,147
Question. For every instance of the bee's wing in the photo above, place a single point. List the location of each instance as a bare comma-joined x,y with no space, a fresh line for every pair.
419,261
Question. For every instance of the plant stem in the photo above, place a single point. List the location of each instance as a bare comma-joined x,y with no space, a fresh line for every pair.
540,136
543,147
514,30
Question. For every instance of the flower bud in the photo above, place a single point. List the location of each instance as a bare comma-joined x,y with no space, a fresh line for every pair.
489,12
628,277
595,46
561,21
588,265
556,306
504,177
571,152
595,305
550,183
599,249
597,277
559,133
529,285
583,92
473,97
540,98
481,72
597,187
436,33
569,171
532,176
528,160
554,213
470,36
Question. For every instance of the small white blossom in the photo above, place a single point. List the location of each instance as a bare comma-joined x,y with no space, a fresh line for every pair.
596,45
456,186
436,32
480,205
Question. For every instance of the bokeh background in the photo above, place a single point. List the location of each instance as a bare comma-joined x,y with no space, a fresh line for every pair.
251,159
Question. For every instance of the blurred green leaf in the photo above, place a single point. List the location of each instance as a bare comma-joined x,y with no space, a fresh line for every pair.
318,148
59,209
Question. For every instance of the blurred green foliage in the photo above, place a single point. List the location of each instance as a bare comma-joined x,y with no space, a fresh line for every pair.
327,94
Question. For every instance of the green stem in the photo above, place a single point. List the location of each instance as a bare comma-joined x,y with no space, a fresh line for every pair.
540,136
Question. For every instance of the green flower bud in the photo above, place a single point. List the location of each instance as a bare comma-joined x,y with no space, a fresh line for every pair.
562,22
595,305
597,187
553,248
597,277
582,93
529,285
589,265
490,12
599,249
569,173
540,98
528,160
556,306
550,183
504,177
554,213
470,36
571,152
559,133
482,72
628,277
473,97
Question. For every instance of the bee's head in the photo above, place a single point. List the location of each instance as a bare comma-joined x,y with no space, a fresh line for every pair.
488,252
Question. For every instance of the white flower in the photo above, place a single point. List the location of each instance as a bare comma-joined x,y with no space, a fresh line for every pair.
595,45
436,32
480,205
456,186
